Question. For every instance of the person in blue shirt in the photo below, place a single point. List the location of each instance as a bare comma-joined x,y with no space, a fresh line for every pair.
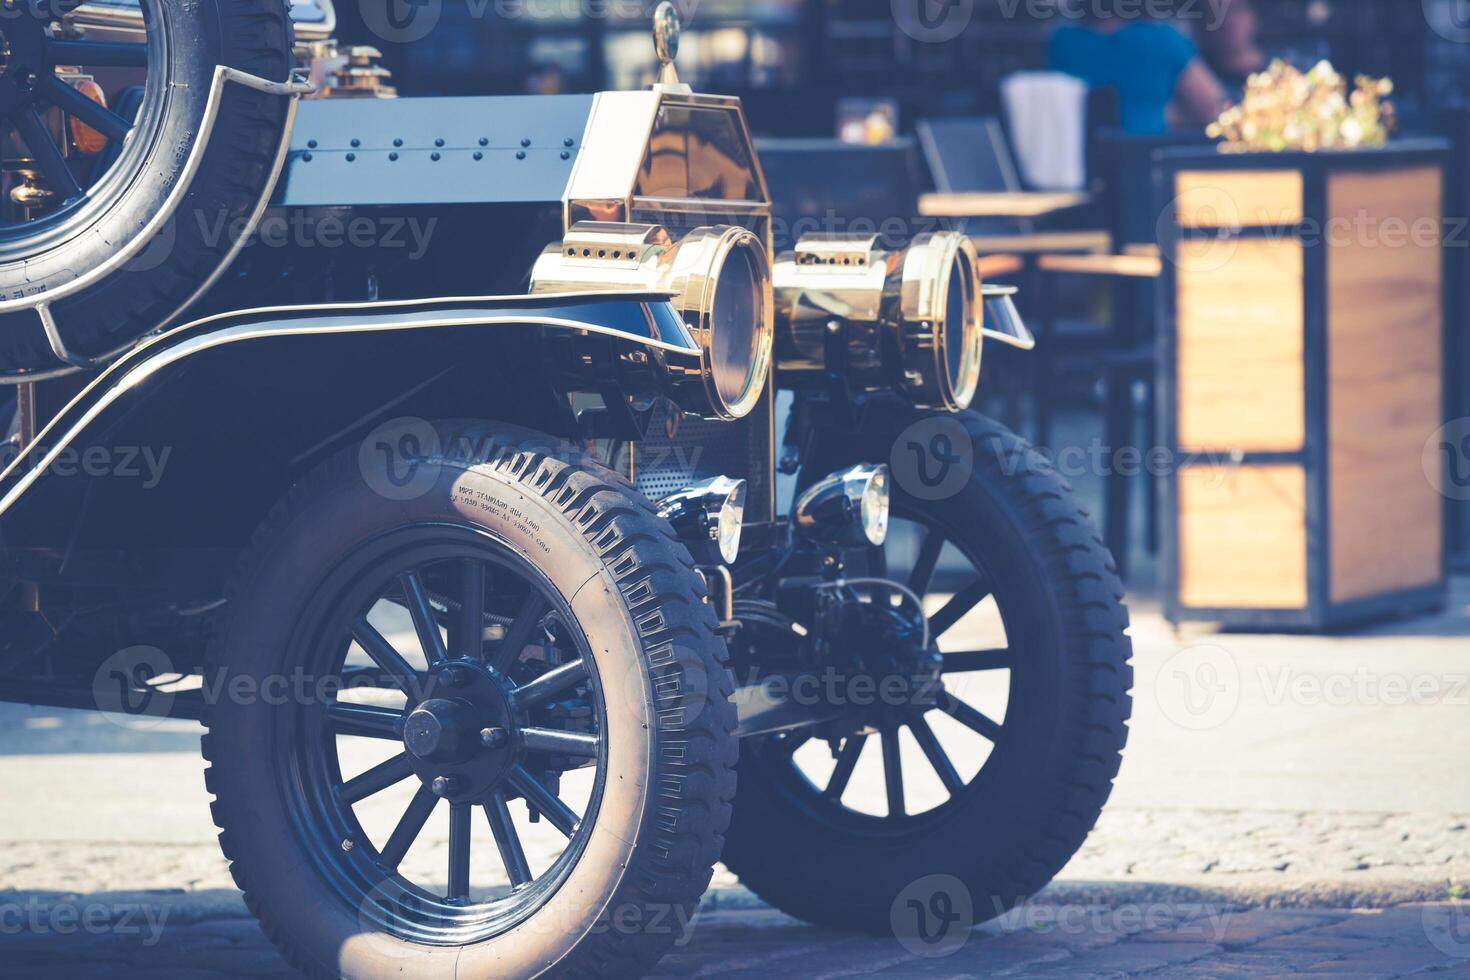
1150,64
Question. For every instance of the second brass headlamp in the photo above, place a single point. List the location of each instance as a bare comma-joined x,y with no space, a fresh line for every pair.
909,320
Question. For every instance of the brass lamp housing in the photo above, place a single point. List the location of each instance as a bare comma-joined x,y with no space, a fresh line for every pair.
910,320
719,279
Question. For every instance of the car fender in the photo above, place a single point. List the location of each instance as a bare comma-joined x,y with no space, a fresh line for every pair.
645,320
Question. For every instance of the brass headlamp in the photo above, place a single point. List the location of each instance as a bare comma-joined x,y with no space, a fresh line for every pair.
909,320
719,280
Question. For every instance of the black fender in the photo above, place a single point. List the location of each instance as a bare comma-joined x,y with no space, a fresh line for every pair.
188,440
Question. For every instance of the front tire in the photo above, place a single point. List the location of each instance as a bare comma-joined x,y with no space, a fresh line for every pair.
594,655
812,832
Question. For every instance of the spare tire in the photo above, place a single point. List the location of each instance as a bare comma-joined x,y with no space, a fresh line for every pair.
81,252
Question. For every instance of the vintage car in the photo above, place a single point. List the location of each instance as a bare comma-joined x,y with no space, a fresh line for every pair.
462,460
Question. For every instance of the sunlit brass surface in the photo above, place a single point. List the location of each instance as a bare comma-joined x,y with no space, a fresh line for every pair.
700,271
894,316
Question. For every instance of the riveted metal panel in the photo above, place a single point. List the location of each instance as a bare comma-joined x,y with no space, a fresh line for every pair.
493,150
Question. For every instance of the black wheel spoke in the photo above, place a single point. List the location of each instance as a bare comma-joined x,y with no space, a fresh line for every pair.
924,735
366,720
376,779
562,743
972,661
99,117
48,156
548,803
507,841
459,852
556,681
98,54
425,623
518,634
893,773
847,760
408,828
923,574
969,717
382,653
471,639
954,610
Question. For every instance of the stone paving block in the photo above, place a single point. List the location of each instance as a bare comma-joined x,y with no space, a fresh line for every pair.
1311,940
1389,961
1130,958
1234,928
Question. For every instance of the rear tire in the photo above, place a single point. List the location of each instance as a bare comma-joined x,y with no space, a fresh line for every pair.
1035,798
188,39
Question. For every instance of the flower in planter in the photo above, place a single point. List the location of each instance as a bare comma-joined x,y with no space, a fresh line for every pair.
1286,109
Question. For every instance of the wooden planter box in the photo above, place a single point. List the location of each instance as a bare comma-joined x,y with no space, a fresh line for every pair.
1302,366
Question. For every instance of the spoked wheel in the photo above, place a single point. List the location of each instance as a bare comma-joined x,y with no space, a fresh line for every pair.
66,170
473,775
473,723
924,748
99,136
994,770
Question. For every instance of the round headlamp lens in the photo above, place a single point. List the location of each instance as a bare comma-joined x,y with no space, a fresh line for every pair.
730,523
962,337
736,326
875,507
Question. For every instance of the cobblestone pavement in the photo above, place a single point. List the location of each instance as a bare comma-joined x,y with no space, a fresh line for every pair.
1182,940
1301,807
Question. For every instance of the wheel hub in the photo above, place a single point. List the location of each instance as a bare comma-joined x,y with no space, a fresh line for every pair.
444,733
440,730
